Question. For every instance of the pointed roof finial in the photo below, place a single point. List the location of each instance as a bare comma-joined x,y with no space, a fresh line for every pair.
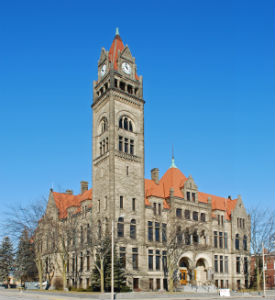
173,165
117,31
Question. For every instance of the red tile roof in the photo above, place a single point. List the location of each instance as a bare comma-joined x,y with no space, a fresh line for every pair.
64,201
117,45
173,178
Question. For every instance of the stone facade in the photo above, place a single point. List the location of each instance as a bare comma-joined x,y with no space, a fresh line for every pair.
161,224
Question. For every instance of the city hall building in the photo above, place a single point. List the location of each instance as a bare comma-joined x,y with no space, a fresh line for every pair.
161,224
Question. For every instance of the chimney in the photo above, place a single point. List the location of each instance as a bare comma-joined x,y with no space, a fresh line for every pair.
155,175
69,192
83,186
229,197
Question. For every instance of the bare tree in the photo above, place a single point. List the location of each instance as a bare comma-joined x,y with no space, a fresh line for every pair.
262,234
19,218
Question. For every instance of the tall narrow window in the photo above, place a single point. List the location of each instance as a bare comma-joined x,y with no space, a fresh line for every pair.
220,240
81,262
188,196
120,143
157,231
164,262
132,147
135,258
157,260
121,202
150,231
150,259
133,204
88,238
155,208
127,170
237,242
225,240
215,239
126,145
133,229
99,231
222,221
120,123
245,242
203,219
221,264
245,266
122,257
130,126
120,227
98,207
164,233
193,197
159,209
216,263
219,219
126,123
238,265
88,261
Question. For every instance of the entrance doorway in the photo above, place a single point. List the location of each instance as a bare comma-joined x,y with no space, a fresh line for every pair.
201,272
183,269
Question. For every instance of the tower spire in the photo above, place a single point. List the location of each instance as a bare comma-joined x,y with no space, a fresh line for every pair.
117,31
173,165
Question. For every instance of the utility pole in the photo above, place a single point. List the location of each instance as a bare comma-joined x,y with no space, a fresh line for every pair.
112,272
263,268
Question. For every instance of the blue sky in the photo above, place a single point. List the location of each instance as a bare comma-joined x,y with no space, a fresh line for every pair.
208,69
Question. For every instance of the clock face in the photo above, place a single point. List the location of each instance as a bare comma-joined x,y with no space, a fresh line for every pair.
126,68
103,70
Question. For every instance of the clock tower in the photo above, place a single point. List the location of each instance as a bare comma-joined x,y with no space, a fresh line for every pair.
118,148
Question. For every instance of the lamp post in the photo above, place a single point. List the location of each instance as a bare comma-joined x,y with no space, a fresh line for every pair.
112,270
263,268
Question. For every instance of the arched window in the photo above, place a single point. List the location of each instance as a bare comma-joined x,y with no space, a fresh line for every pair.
125,124
120,123
237,242
120,227
244,242
133,229
130,126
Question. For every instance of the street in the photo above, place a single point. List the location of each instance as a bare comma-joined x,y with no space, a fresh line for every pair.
34,295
